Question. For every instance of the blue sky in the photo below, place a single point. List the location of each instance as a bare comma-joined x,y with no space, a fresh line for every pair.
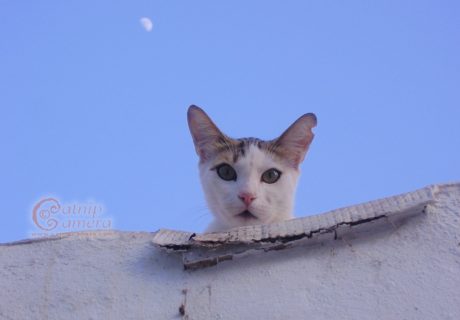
93,107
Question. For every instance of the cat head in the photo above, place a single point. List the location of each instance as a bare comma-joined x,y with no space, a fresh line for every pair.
249,181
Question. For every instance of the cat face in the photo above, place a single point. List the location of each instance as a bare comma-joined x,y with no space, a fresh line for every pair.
249,181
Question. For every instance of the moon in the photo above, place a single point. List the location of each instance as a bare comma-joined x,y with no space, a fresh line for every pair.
146,23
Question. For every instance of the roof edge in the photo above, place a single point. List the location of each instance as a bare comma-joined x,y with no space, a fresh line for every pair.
202,250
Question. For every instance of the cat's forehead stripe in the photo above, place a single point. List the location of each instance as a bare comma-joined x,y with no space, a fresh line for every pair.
244,145
234,149
239,147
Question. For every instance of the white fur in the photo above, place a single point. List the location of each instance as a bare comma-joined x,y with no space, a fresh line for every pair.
274,202
248,200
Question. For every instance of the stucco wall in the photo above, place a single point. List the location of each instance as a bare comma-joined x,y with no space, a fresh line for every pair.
408,271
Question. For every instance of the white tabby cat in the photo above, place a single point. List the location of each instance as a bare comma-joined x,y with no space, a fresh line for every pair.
249,181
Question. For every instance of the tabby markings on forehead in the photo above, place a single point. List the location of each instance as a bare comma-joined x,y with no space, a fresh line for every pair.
239,147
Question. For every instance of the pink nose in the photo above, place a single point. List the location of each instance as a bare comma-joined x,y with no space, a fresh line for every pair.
246,197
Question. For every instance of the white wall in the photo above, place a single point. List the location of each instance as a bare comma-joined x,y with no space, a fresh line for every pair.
408,271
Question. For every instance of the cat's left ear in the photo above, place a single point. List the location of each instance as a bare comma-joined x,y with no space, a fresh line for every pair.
294,142
206,136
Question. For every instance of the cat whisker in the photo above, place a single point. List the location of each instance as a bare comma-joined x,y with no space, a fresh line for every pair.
202,210
201,216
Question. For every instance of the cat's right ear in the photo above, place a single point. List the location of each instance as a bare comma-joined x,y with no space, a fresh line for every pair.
295,141
205,134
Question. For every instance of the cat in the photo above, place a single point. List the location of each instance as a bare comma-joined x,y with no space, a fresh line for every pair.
248,181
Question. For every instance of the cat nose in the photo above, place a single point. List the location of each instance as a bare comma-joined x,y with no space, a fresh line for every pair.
246,197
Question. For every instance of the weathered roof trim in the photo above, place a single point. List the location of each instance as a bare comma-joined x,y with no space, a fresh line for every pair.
203,250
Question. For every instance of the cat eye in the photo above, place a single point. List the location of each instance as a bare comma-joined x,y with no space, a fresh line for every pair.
271,175
226,172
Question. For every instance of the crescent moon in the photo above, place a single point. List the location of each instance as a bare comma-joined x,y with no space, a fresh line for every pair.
146,24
